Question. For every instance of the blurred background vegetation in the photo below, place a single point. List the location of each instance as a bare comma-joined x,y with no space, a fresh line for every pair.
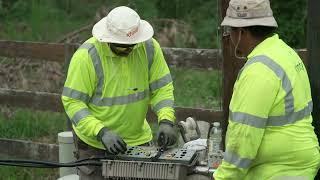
38,20
177,23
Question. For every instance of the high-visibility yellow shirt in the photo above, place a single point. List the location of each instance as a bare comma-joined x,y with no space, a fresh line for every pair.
106,90
270,135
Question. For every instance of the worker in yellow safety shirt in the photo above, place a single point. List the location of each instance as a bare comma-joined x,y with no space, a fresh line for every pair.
112,79
270,135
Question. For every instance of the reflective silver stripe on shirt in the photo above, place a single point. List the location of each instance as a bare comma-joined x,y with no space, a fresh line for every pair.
248,119
149,51
236,160
289,117
98,101
81,114
278,70
162,104
96,61
74,94
119,100
258,122
159,83
291,178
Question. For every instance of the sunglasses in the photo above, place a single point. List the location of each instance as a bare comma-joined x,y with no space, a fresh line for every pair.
121,49
123,45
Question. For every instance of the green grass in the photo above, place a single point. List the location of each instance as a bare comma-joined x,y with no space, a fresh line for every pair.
31,125
19,173
197,88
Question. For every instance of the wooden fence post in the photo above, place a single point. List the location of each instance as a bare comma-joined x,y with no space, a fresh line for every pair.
69,50
231,67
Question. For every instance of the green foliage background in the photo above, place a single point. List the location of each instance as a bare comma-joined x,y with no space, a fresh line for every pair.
292,20
46,20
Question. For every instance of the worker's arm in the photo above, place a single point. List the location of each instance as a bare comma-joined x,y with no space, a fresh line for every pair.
78,89
251,102
161,86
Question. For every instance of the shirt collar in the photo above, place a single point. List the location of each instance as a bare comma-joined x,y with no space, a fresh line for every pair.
263,45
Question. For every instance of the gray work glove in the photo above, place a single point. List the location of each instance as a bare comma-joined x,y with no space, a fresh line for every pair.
111,141
166,134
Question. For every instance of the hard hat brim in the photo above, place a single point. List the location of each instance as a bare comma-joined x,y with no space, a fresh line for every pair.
102,34
237,22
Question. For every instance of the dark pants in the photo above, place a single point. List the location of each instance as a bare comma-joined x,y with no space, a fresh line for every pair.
84,151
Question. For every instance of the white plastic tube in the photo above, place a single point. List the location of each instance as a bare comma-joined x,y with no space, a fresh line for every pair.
66,149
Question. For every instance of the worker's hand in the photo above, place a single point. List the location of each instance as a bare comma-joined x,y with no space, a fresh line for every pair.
166,134
111,141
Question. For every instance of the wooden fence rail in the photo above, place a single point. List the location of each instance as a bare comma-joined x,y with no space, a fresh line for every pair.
59,52
21,149
51,102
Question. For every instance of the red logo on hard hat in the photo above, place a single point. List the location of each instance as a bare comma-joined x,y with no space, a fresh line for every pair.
131,33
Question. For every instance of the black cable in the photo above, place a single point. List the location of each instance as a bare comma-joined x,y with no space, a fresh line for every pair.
94,161
29,165
47,164
26,165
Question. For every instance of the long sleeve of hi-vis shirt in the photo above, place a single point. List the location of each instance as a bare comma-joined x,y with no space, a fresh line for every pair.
161,86
81,88
244,134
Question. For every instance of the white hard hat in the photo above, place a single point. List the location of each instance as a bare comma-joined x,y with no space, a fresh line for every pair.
243,13
123,26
